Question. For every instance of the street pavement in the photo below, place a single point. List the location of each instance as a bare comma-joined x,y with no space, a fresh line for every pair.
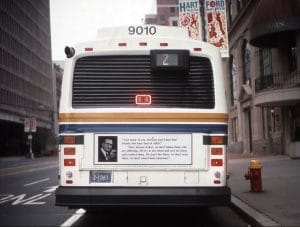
277,205
279,202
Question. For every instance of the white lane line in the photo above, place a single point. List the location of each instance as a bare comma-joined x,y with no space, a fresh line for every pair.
36,182
71,221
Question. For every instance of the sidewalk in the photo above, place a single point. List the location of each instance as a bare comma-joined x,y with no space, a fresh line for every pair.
280,199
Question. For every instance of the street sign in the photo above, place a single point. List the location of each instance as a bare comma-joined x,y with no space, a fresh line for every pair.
30,125
33,125
27,125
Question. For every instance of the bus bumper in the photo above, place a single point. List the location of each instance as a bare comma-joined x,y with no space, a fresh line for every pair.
85,197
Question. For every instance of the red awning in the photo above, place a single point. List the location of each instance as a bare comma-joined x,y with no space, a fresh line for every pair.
271,18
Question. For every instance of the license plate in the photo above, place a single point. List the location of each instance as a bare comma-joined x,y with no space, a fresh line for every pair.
100,177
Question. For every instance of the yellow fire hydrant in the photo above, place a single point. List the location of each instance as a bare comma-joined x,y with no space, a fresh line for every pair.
254,174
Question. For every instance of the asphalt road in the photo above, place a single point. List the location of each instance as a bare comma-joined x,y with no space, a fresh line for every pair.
27,199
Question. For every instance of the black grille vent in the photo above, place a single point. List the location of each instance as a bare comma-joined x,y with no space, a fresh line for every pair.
114,81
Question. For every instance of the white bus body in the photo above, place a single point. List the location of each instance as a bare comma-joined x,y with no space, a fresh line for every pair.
157,99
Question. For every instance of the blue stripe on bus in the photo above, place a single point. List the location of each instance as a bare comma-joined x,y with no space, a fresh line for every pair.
143,128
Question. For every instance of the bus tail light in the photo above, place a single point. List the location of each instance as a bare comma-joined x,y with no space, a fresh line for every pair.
143,99
71,139
122,44
69,151
69,182
216,162
164,44
69,162
217,151
214,140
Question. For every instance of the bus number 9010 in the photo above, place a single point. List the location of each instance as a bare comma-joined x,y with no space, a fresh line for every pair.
139,30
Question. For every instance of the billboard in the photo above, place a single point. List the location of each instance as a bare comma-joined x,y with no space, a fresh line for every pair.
143,149
189,17
216,25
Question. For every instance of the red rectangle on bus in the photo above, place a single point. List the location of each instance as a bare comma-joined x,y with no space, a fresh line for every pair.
69,162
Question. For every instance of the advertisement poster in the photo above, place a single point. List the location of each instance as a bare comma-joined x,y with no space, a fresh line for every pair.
147,149
189,17
216,25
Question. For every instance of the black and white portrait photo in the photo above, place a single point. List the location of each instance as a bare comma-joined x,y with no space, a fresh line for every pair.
107,151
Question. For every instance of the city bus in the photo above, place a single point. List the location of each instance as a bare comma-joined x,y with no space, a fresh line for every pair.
142,121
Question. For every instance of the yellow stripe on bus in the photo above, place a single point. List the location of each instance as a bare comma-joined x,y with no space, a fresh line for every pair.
143,117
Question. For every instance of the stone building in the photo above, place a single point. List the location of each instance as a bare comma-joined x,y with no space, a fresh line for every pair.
263,76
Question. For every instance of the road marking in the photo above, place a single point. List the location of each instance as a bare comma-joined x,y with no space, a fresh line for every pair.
74,218
51,189
36,182
33,201
23,199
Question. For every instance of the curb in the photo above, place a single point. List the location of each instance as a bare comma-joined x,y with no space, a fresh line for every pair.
253,216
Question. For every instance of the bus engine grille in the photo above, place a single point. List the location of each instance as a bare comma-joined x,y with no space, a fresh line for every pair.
114,81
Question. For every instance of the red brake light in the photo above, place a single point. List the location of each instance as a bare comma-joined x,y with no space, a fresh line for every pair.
122,44
217,162
69,162
164,44
88,49
143,99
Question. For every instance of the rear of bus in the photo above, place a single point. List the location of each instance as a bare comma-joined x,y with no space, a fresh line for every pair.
143,121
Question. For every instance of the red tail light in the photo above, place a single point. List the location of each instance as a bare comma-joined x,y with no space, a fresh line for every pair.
69,151
143,99
216,162
216,151
69,140
69,162
164,44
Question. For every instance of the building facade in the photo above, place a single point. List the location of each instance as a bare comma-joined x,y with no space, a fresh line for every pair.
26,79
167,13
263,76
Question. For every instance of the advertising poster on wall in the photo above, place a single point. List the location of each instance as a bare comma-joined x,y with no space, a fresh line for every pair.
189,17
216,25
144,149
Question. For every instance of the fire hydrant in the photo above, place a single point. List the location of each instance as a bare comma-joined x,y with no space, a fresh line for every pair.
254,175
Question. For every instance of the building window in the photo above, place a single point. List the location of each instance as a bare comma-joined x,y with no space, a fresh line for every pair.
238,5
162,17
229,7
246,63
295,121
232,79
174,23
234,129
292,55
172,9
265,62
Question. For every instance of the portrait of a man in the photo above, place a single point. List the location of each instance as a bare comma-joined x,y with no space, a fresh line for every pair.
107,149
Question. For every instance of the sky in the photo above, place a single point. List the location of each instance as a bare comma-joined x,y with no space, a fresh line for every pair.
75,21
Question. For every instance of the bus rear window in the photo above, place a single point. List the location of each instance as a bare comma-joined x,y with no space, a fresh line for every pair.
115,81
